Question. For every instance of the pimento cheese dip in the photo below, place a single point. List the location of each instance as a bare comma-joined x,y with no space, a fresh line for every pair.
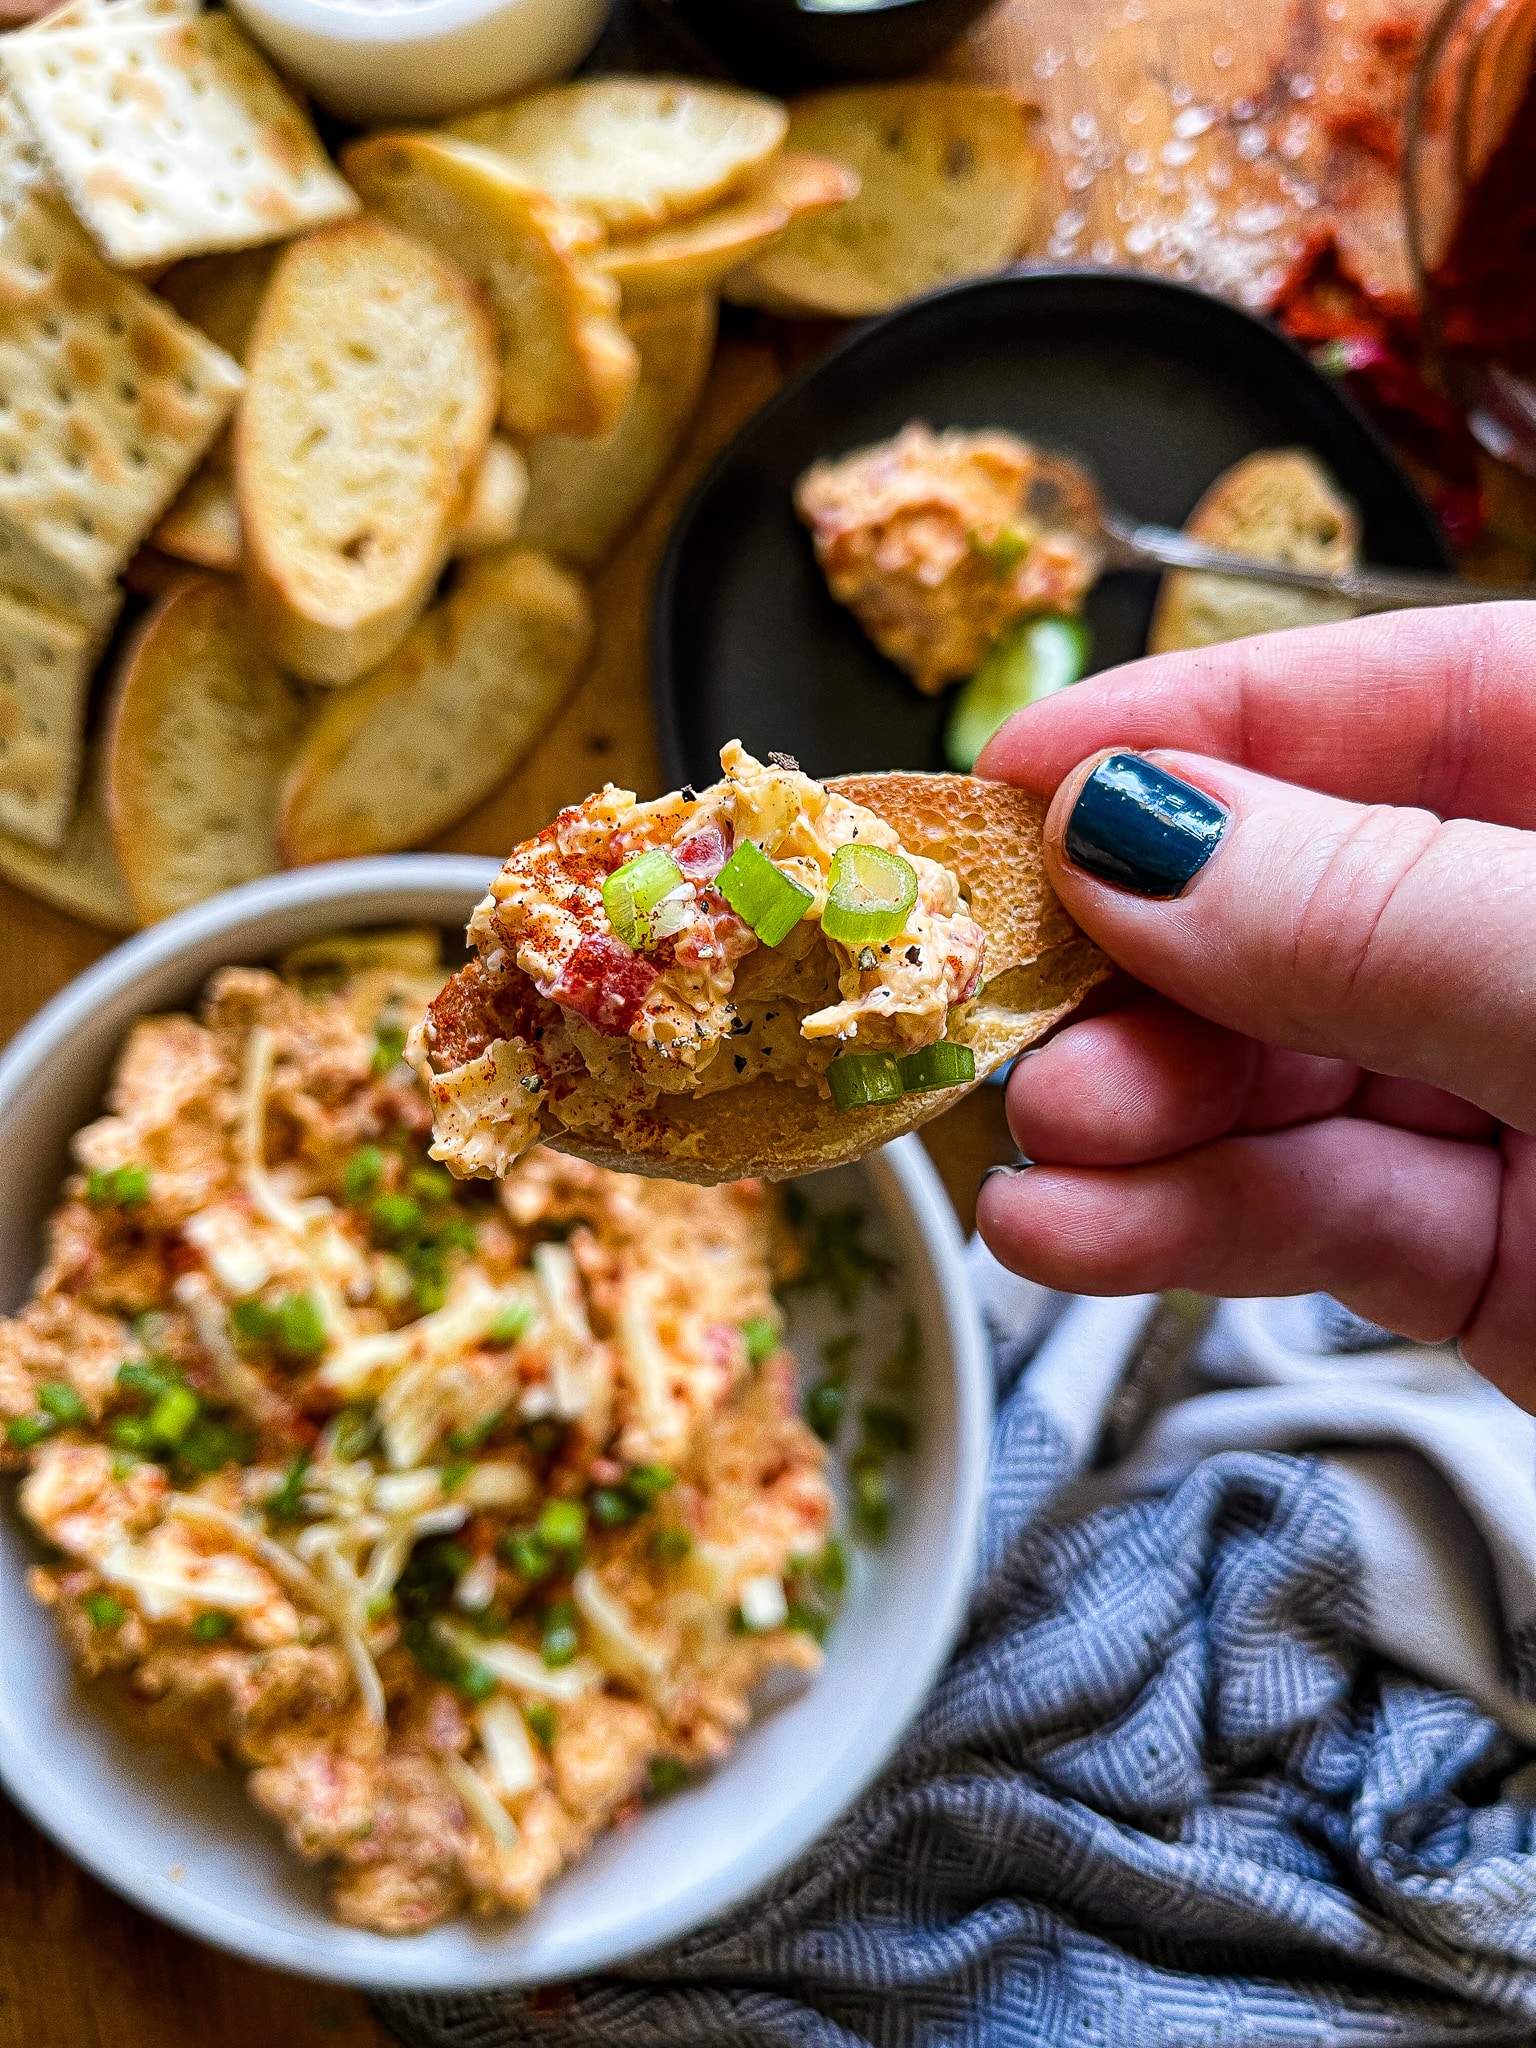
560,1015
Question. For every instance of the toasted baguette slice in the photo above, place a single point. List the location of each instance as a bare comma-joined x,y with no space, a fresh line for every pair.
582,494
81,875
1279,506
950,182
203,526
634,151
496,501
418,743
373,384
201,729
567,365
698,254
1037,965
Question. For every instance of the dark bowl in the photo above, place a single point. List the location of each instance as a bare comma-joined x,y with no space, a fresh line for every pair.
781,44
1157,387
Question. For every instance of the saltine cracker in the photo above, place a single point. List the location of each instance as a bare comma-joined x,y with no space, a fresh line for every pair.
172,138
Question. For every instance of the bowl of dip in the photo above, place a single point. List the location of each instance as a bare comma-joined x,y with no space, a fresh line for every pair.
183,1843
415,60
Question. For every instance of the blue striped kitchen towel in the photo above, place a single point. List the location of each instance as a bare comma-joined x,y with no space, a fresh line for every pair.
1239,1747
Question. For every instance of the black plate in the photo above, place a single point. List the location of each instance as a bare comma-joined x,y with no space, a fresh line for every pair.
1158,387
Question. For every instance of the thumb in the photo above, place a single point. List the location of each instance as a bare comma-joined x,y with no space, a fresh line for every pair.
1385,936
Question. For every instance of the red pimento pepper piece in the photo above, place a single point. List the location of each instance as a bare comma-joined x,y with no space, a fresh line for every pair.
604,982
703,856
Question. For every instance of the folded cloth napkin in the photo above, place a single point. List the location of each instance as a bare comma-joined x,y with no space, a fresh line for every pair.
1236,1748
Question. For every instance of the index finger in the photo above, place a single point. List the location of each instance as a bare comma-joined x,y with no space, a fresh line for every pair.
1433,708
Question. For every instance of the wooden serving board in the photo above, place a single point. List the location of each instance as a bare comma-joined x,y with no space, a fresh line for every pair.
1189,137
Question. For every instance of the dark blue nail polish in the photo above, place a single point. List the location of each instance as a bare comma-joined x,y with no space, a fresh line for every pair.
1141,828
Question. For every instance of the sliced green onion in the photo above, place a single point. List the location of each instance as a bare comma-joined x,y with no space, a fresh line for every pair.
252,1321
395,1218
762,1335
560,1640
824,1406
944,1065
285,1503
454,1474
476,1681
669,1544
529,1556
633,893
463,1441
645,1482
141,1376
59,1399
122,1187
858,1079
664,1776
173,1415
562,1524
869,893
125,1433
209,1445
104,1611
1005,550
300,1327
1032,661
388,1048
352,1434
363,1175
431,1184
612,1509
511,1324
213,1626
26,1432
761,894
543,1723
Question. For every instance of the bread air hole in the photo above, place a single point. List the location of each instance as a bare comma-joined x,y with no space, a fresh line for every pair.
358,546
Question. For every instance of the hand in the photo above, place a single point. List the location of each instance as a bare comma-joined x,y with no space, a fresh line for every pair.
1327,1076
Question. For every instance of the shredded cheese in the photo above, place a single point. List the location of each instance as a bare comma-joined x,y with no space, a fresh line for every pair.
523,1670
298,1577
616,1642
479,1801
508,1751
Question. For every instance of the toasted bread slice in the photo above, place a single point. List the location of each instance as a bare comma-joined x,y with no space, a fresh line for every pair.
567,365
496,500
1279,506
81,875
203,526
373,384
634,151
582,494
1037,964
698,254
950,182
200,732
415,745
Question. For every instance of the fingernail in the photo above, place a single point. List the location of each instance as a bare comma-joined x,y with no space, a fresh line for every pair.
1142,829
1018,1166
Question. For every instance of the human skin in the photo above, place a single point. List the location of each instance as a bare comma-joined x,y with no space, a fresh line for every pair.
1321,1070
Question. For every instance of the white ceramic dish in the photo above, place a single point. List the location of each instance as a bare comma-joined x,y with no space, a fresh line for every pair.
416,60
184,1844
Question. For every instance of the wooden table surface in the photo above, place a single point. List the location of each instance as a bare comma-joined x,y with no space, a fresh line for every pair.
1196,138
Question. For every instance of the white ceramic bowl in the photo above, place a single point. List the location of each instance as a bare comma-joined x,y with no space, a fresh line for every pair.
415,60
183,1843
